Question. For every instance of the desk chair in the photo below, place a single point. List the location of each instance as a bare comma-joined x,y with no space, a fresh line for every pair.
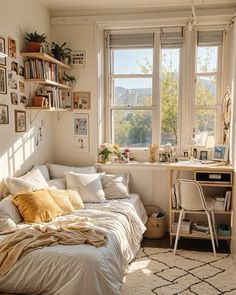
190,197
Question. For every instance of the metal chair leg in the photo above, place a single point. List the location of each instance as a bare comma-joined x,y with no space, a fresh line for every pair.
178,230
214,227
211,232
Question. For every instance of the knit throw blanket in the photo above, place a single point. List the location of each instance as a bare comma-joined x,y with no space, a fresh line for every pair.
70,232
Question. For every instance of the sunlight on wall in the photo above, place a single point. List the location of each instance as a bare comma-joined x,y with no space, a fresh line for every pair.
18,153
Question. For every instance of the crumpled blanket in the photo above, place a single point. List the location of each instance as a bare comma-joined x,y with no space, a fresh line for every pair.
70,232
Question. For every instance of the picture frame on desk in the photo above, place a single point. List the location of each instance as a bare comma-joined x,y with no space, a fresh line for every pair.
203,155
220,152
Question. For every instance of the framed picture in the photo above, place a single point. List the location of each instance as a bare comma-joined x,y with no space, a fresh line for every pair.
81,100
3,81
203,155
4,114
3,51
20,121
186,155
14,67
78,59
21,71
81,125
81,132
220,152
11,48
14,98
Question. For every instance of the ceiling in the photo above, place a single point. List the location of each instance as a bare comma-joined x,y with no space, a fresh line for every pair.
142,5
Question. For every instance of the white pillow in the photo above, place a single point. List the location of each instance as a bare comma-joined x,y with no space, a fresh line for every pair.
115,186
43,168
59,183
57,171
31,180
7,206
89,186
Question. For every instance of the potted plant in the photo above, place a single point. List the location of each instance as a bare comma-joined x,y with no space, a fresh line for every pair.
67,79
60,52
34,41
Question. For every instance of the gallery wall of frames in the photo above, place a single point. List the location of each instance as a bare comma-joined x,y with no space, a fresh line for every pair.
12,84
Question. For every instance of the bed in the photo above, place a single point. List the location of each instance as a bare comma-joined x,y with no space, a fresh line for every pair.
84,269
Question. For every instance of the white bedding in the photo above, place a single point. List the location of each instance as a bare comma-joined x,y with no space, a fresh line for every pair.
84,269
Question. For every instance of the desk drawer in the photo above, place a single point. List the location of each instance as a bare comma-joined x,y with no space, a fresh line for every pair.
213,177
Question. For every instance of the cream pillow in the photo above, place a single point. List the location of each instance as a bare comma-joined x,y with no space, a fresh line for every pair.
7,225
87,185
31,180
57,171
59,183
75,199
61,199
37,206
9,207
43,168
115,186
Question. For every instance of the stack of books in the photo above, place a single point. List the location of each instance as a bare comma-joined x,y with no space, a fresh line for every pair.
184,228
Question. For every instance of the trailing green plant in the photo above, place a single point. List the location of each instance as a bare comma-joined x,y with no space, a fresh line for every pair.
35,37
61,52
69,78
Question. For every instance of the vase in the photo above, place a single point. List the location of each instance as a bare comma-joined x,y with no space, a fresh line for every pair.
102,159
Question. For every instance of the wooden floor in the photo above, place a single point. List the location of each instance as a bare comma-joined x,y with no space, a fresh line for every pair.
186,244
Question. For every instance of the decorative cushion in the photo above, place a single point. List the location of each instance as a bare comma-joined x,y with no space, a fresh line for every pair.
37,206
7,206
59,183
31,180
61,199
75,199
57,171
87,185
43,168
115,186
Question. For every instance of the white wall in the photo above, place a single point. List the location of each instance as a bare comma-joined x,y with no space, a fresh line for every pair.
78,37
17,150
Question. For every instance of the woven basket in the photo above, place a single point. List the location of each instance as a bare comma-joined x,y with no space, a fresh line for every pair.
155,225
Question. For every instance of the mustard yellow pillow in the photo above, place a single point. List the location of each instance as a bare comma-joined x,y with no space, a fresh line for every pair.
36,206
62,200
75,199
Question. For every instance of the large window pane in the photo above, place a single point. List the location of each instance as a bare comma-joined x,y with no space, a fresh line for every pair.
206,90
169,94
205,122
132,91
132,128
132,61
207,59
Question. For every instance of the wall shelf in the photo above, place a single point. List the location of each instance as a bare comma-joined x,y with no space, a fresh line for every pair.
46,57
47,82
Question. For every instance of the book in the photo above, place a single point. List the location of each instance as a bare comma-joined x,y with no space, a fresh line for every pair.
227,200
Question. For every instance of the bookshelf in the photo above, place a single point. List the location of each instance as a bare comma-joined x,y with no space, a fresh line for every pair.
42,69
217,184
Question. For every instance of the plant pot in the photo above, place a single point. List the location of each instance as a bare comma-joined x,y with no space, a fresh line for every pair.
57,55
33,46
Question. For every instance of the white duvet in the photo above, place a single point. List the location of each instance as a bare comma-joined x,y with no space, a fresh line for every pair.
84,269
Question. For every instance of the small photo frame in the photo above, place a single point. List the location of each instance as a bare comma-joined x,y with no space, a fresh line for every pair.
3,51
81,100
220,152
203,155
4,114
21,71
81,125
186,154
78,59
14,98
14,67
20,121
11,48
3,81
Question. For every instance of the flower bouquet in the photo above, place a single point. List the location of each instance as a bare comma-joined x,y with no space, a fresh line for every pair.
104,151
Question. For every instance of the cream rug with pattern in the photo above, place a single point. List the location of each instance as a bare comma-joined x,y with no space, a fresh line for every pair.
159,271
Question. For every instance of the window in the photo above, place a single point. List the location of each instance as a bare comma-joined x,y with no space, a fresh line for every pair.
207,98
134,100
131,89
169,95
146,102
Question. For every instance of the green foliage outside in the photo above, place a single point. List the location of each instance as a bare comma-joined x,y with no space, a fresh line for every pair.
133,128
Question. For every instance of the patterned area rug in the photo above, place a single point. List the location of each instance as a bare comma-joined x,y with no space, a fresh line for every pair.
159,271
